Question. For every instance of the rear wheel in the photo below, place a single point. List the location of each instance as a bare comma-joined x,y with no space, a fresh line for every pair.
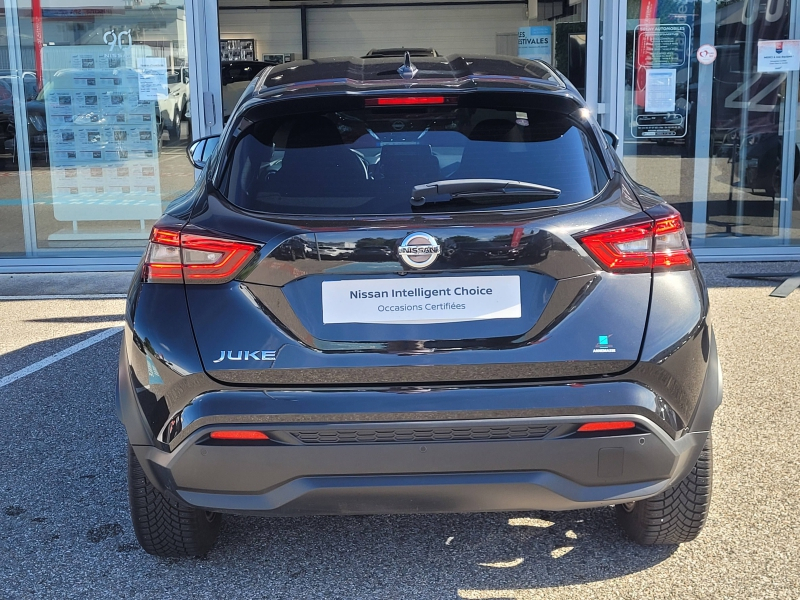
167,527
175,126
160,131
676,515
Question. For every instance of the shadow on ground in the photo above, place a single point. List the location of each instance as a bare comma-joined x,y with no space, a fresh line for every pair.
79,319
717,274
488,551
20,358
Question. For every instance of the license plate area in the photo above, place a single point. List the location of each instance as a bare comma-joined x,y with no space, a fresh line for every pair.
421,300
305,297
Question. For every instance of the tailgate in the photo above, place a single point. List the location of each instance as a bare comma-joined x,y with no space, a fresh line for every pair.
507,298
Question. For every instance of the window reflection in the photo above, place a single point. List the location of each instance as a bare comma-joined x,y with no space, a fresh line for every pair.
105,99
714,146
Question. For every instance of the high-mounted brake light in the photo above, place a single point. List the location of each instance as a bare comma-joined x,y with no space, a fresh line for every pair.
239,434
607,426
175,257
642,246
408,101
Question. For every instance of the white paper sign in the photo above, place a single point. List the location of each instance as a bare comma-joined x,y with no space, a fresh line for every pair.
778,56
660,90
421,300
153,78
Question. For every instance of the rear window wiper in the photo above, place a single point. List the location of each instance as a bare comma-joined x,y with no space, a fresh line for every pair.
483,190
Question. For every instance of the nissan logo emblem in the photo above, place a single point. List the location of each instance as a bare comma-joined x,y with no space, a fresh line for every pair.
419,250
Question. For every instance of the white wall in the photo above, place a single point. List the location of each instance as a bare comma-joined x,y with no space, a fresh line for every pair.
455,29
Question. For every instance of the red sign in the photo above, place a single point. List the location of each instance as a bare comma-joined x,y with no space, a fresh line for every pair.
38,39
644,52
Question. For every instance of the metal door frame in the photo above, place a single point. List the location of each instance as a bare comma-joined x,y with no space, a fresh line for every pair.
21,141
202,26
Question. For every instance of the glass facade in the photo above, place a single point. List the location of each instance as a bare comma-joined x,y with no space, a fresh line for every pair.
94,97
96,105
717,138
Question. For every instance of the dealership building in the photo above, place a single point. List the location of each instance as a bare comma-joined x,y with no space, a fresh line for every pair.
99,100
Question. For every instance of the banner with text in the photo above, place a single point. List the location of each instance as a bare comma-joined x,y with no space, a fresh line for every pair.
535,43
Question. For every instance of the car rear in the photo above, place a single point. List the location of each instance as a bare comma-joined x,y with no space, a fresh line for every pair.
307,337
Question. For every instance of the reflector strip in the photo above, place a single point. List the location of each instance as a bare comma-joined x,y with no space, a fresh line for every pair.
239,434
607,426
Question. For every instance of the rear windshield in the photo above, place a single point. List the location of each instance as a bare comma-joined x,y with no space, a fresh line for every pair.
367,161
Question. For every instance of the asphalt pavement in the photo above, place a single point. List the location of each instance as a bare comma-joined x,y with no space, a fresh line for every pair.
65,530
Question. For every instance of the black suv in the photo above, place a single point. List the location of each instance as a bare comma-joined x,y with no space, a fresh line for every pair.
416,286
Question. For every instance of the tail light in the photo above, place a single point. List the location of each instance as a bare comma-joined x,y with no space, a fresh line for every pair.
658,244
176,257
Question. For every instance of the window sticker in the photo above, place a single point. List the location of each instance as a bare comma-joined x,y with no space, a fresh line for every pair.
660,80
778,56
153,78
660,91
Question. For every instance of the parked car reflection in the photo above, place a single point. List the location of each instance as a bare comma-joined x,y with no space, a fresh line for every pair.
172,109
37,124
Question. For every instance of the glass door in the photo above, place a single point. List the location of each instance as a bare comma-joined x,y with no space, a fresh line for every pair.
96,109
15,90
709,115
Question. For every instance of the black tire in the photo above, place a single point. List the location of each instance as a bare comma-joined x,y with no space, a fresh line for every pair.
175,127
166,527
676,515
160,132
772,179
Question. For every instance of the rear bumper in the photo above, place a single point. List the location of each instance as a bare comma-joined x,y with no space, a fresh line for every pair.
437,476
329,454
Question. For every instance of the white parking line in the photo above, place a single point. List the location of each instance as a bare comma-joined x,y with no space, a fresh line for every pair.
37,366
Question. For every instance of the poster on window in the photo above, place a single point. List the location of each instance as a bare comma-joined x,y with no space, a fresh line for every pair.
152,78
659,94
102,131
659,101
535,43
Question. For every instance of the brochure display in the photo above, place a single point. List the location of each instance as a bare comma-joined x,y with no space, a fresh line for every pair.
102,132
